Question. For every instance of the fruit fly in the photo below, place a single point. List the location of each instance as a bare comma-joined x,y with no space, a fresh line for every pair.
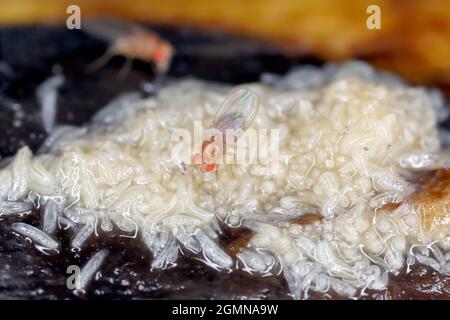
233,117
131,41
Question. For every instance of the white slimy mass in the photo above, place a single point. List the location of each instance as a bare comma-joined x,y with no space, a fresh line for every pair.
351,142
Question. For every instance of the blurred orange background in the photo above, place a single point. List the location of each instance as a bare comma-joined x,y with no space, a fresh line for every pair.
414,39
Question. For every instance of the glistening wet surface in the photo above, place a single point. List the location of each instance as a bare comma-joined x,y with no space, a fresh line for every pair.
26,272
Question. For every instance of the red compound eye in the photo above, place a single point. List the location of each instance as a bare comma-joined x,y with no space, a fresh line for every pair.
158,55
208,167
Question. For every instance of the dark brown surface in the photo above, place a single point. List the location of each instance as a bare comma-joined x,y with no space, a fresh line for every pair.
25,272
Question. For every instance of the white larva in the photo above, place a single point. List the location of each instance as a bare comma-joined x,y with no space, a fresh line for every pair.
51,211
162,245
14,207
53,137
438,254
150,237
387,181
253,261
186,239
290,203
41,179
89,269
36,235
78,214
20,174
447,256
5,183
293,282
85,232
106,223
212,252
66,137
428,261
117,109
420,161
384,198
343,288
65,223
47,94
166,255
60,136
127,225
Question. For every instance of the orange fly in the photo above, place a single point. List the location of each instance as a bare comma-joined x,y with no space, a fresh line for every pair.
131,41
232,118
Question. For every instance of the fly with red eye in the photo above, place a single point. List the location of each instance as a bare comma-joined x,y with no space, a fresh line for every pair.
233,117
131,41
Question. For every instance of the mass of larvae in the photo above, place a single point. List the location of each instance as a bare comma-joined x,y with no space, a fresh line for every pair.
362,188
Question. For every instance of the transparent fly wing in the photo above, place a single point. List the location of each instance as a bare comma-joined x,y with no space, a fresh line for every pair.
237,111
110,29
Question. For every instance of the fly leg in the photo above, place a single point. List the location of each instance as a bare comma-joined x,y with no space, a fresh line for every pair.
100,62
125,70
